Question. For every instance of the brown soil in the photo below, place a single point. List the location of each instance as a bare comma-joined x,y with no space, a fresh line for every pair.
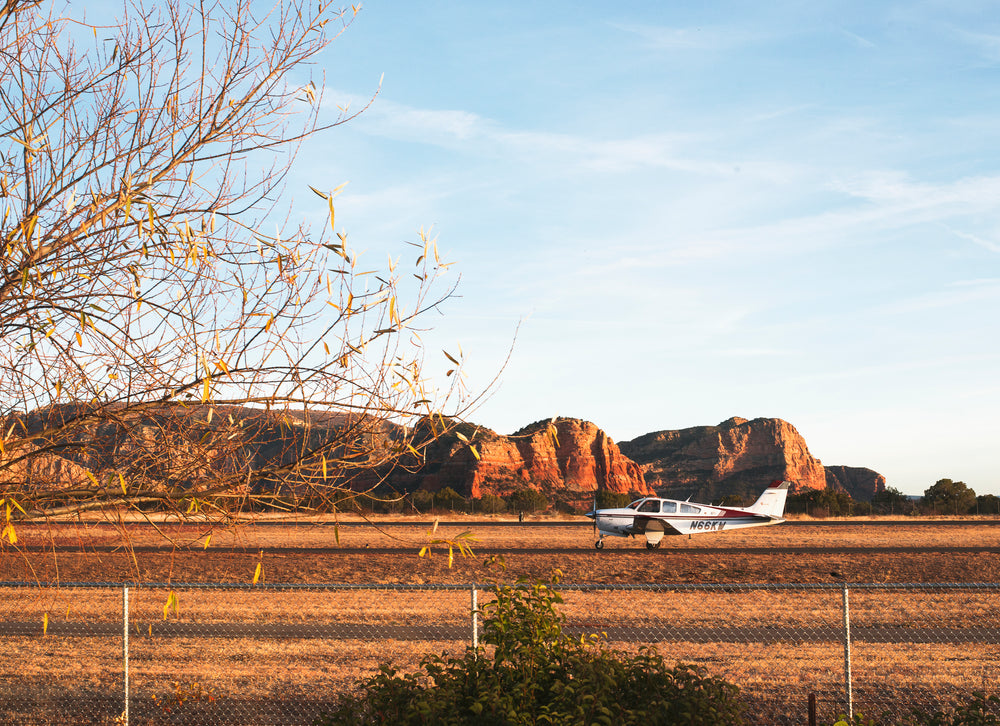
309,553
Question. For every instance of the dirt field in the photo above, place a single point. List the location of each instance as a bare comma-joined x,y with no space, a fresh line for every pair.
318,553
290,648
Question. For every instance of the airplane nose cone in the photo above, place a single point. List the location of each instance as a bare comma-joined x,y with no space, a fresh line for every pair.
592,514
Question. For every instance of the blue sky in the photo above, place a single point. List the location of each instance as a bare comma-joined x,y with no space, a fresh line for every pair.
698,211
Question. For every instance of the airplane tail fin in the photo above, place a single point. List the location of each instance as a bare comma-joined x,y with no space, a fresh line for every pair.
772,501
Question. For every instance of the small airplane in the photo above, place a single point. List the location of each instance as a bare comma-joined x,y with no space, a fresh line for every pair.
655,517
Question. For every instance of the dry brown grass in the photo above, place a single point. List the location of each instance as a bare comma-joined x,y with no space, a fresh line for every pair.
263,669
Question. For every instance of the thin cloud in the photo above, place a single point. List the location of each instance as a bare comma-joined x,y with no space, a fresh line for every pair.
963,293
475,134
985,45
858,39
702,38
984,243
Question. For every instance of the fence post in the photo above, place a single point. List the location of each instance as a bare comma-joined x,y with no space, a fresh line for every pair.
475,620
847,655
125,649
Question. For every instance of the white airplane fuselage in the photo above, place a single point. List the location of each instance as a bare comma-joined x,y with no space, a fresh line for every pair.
655,517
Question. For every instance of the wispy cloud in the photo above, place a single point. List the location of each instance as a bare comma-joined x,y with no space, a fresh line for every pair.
985,45
704,38
480,136
857,39
976,239
964,292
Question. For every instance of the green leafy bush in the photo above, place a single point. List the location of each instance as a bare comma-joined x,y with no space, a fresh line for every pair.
980,710
530,672
527,500
491,504
448,499
612,500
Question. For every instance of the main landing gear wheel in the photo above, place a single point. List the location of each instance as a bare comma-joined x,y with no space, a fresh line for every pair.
599,544
651,546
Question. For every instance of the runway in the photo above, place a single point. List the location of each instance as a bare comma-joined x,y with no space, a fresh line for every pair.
608,551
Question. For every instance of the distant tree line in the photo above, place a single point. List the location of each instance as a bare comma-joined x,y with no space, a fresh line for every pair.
944,497
386,500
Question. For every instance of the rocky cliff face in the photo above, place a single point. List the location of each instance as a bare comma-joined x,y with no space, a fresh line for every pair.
566,457
736,457
859,482
190,448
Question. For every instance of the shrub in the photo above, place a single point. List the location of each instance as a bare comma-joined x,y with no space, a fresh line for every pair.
612,500
527,500
530,672
980,710
491,504
422,500
448,499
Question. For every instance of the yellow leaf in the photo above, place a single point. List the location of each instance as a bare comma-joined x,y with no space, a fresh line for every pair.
121,480
423,552
324,467
170,604
207,540
9,534
29,230
317,191
448,356
207,392
451,557
257,573
45,624
329,203
475,453
93,479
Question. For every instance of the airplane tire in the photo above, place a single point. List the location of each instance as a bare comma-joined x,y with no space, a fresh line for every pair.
599,544
650,546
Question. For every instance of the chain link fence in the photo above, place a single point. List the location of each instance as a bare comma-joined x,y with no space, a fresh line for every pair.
216,654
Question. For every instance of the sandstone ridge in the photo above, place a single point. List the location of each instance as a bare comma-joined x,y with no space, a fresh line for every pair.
737,457
565,458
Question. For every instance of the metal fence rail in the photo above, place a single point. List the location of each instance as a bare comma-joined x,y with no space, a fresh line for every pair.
86,653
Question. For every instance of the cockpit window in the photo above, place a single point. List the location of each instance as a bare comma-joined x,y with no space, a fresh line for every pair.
635,504
669,507
650,505
689,509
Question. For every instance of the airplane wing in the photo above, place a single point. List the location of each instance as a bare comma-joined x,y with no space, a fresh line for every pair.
683,525
640,524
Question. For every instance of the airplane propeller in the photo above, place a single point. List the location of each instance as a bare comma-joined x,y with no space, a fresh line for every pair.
593,514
